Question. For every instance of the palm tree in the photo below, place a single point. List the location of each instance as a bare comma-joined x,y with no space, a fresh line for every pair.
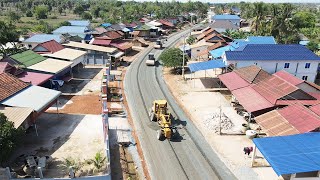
259,10
98,161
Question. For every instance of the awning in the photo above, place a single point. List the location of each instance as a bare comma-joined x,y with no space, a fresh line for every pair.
291,154
212,64
35,97
16,115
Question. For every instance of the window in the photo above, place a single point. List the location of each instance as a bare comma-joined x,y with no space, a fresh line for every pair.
305,78
286,65
307,66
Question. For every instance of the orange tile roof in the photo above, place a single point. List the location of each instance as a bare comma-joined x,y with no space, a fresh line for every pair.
10,85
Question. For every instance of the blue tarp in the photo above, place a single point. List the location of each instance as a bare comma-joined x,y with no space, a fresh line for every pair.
291,154
212,64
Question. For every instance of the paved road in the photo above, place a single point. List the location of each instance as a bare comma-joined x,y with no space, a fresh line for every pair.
187,157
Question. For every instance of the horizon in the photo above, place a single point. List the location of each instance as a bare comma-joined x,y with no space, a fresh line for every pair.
237,1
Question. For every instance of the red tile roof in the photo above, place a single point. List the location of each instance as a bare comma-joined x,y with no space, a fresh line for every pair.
166,23
101,42
10,85
34,78
293,119
274,88
251,100
288,77
233,81
52,46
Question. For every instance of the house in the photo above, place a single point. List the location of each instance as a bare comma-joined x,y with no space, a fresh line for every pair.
80,31
99,31
48,47
235,19
36,39
174,21
144,20
198,48
81,23
96,55
24,59
166,24
295,59
139,42
260,92
142,31
70,55
223,25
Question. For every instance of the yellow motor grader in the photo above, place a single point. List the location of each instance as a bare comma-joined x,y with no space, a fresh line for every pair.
159,113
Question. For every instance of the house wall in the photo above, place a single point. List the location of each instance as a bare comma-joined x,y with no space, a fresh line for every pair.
144,34
296,68
78,60
30,45
307,88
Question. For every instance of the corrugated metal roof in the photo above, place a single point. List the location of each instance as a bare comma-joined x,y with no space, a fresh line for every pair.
165,22
273,88
51,66
201,43
10,85
90,47
34,97
226,17
303,102
261,40
274,124
252,74
79,22
51,46
291,154
250,99
281,52
40,38
233,81
113,35
28,58
106,25
34,78
212,64
316,109
72,30
223,24
16,115
288,77
67,54
101,42
217,53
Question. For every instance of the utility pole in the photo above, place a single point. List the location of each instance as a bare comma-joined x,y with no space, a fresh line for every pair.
184,49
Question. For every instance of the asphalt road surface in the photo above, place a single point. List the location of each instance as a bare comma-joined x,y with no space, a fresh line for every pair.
188,156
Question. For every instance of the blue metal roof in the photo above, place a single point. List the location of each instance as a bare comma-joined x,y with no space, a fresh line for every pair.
261,40
291,154
106,25
226,17
72,30
40,38
79,22
272,52
212,64
217,53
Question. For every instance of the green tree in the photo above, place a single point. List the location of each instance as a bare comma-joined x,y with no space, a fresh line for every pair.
8,34
78,9
13,16
65,23
304,20
60,10
191,40
9,138
41,12
313,46
171,57
86,15
29,13
98,161
43,27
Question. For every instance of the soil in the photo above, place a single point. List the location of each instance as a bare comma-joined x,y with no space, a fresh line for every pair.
85,104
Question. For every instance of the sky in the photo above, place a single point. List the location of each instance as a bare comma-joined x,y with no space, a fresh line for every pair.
229,1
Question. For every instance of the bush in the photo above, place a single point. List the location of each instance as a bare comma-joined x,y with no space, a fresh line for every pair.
29,13
53,17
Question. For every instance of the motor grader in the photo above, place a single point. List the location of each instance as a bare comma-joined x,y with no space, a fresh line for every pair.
159,113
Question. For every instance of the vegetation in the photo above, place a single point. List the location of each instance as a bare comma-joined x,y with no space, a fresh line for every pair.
191,40
8,34
71,162
41,12
98,161
172,57
9,138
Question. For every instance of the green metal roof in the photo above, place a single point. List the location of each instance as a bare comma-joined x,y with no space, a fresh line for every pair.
143,28
28,58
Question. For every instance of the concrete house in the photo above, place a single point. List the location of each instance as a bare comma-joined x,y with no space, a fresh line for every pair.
295,59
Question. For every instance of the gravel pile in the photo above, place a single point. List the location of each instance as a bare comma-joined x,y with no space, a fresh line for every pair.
211,122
